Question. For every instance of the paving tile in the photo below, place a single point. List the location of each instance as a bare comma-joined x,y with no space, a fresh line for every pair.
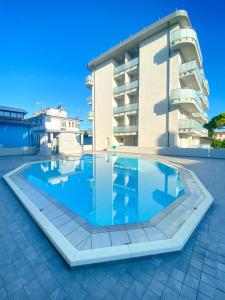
208,279
77,236
100,240
58,294
156,286
174,284
137,289
119,238
207,290
19,294
137,235
68,227
168,293
191,281
188,292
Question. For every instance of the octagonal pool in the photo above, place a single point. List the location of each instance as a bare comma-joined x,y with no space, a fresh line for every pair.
108,189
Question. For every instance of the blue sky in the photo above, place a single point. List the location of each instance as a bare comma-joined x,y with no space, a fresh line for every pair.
45,46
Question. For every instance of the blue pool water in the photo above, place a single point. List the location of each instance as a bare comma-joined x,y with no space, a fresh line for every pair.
109,189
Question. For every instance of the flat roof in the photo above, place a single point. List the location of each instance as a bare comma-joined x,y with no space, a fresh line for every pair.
13,109
179,16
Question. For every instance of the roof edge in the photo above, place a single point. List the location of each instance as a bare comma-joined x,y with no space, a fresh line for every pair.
148,31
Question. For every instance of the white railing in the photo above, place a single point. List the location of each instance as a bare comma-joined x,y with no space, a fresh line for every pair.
125,87
125,129
125,108
128,65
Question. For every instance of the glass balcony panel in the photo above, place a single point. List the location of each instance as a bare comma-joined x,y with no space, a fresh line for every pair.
125,87
125,108
185,34
192,124
185,94
127,65
190,67
89,100
125,129
90,115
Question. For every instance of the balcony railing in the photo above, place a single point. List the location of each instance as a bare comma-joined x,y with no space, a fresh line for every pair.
191,67
89,132
126,87
90,115
89,81
201,115
125,129
128,65
189,125
204,81
204,99
185,35
125,108
183,96
89,100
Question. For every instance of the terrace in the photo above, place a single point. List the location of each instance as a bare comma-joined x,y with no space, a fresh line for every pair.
31,268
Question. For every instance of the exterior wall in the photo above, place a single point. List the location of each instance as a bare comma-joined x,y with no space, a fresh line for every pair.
153,91
17,151
220,136
14,136
67,143
159,123
103,97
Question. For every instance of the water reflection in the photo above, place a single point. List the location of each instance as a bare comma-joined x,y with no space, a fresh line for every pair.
106,189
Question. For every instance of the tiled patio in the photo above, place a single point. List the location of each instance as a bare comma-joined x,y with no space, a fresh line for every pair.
31,268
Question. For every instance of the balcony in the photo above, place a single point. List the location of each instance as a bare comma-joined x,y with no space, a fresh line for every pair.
129,87
188,99
186,41
89,100
204,99
205,83
190,75
126,108
125,130
192,127
130,65
89,81
89,132
90,115
201,117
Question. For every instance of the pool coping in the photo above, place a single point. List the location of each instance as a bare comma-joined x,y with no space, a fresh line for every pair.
75,257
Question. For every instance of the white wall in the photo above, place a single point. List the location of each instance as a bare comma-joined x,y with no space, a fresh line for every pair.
17,151
103,93
153,86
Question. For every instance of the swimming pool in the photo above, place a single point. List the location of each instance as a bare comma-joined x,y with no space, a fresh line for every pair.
108,189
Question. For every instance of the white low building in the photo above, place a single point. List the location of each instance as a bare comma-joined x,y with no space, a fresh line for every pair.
56,133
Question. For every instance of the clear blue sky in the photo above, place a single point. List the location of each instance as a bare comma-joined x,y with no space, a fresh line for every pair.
45,46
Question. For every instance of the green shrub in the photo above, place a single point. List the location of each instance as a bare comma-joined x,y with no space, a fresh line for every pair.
217,144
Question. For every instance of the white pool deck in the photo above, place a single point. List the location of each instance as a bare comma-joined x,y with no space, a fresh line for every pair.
80,243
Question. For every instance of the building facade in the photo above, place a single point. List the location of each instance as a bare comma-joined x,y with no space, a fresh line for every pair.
14,129
150,90
56,133
220,135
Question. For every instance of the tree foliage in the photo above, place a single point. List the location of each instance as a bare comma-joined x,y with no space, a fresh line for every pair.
218,144
216,122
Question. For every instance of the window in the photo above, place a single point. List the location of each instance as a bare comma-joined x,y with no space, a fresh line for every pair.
6,113
63,123
49,137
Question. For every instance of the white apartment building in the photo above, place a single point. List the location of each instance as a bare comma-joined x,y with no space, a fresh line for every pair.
56,133
150,90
